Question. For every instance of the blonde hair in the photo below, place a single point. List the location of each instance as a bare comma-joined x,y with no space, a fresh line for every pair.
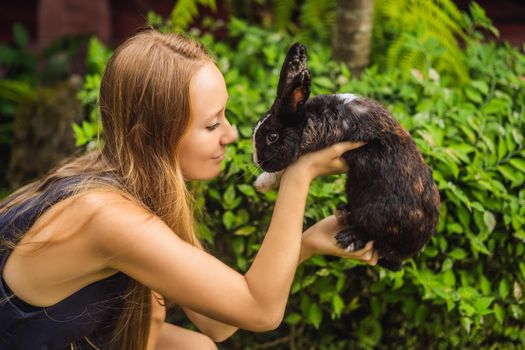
145,113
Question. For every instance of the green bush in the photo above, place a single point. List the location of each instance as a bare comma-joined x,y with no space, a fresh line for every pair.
21,71
465,289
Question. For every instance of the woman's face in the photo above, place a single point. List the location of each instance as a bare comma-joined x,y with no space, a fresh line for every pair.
203,147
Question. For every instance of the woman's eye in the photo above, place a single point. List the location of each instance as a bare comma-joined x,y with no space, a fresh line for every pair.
271,138
213,127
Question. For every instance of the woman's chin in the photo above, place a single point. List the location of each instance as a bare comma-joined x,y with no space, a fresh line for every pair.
209,174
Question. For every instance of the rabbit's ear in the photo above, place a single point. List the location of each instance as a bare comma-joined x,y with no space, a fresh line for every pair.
294,63
294,85
296,94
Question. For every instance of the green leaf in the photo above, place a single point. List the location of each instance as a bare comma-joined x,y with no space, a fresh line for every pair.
482,305
503,288
454,227
205,233
466,323
229,195
467,292
448,278
517,136
324,82
293,318
489,220
315,315
369,331
245,230
522,269
478,245
337,304
228,219
518,163
502,148
494,106
238,245
499,313
473,95
464,216
317,260
484,285
508,173
247,190
477,206
481,86
466,308
323,272
471,136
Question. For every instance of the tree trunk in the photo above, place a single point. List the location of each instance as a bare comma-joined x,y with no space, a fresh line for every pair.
352,33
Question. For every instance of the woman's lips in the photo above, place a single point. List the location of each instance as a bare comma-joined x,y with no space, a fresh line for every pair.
219,157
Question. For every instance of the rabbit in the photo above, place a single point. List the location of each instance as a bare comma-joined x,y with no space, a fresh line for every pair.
391,195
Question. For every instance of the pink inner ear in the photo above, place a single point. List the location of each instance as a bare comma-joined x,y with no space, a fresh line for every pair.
297,97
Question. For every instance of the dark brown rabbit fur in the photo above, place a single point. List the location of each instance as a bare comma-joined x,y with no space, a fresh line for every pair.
392,197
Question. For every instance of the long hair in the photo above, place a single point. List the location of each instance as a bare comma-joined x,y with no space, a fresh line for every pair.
145,112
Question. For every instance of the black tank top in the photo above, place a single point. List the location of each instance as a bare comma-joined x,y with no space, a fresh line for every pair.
83,320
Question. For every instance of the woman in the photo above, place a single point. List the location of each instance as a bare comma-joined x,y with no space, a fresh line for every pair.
84,248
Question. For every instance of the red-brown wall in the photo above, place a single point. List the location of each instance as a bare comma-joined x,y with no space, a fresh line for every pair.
45,19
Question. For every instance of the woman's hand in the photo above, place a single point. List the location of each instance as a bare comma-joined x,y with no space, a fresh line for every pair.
326,161
319,239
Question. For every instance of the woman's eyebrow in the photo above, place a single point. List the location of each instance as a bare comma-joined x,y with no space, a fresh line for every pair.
214,115
218,114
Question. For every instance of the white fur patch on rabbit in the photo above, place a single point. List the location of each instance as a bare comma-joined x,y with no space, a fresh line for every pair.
267,181
347,98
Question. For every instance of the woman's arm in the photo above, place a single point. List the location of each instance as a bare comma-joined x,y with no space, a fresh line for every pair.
142,246
319,239
216,330
278,250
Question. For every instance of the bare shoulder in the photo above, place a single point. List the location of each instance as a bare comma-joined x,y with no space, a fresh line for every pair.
84,230
106,202
116,222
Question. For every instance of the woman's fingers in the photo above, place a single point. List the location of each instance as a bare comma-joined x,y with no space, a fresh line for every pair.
328,161
365,251
375,258
339,148
335,152
367,254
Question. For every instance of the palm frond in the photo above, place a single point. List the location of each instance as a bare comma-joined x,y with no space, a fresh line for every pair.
422,32
317,18
185,11
283,11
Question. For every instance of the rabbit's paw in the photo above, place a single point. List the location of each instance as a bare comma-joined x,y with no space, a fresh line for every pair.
346,239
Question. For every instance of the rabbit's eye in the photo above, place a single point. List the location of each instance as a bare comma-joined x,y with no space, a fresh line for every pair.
271,138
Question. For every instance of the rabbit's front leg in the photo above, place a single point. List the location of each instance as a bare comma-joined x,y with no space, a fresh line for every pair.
267,181
346,237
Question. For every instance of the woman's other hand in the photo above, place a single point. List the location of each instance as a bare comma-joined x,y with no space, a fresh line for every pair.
325,161
319,239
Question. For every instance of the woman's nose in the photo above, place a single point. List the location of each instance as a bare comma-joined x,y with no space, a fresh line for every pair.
230,134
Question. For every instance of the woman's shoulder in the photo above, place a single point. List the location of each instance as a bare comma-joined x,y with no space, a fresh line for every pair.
107,202
112,218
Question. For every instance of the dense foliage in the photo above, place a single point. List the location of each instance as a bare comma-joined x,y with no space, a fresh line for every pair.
22,71
465,289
